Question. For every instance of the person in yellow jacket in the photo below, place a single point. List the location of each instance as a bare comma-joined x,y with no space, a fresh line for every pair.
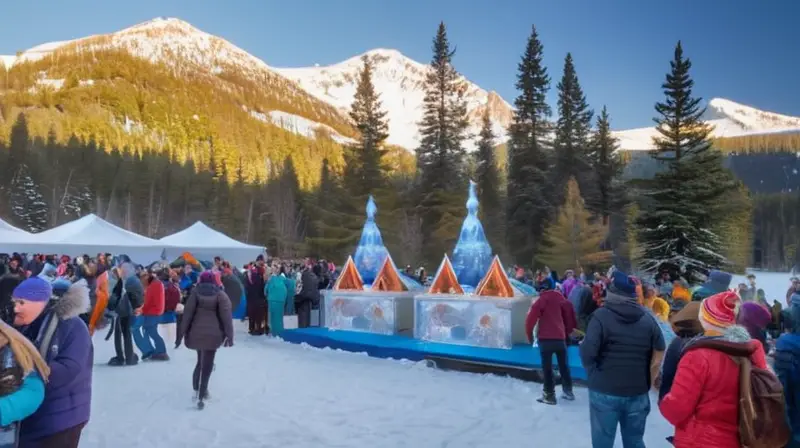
659,306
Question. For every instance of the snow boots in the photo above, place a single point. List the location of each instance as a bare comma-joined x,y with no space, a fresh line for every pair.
547,398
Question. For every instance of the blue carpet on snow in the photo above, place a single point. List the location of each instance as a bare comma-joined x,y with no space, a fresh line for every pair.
402,347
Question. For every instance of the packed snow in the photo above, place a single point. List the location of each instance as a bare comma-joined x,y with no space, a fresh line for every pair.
774,284
266,392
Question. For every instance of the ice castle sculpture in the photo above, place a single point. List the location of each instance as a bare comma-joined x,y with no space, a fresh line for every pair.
472,255
370,252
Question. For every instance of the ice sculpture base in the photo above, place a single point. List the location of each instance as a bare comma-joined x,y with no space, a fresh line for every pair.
470,320
388,313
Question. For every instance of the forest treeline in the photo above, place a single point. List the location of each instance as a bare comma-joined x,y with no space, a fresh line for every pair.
154,148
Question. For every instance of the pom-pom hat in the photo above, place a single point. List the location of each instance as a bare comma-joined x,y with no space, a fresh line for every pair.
718,312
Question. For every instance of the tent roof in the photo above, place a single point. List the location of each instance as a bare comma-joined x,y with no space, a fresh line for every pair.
96,231
9,228
201,236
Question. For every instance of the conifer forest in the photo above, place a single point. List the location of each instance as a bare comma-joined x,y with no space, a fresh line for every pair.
557,193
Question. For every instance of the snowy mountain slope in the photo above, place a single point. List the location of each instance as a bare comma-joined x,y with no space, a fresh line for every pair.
729,119
400,82
7,61
190,51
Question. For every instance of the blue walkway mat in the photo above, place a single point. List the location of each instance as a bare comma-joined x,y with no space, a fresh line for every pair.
402,347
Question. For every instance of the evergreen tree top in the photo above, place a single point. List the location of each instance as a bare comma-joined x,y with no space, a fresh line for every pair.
532,78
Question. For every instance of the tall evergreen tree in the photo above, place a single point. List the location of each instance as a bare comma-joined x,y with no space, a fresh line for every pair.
528,192
440,155
27,203
607,167
368,170
572,135
488,179
444,122
680,206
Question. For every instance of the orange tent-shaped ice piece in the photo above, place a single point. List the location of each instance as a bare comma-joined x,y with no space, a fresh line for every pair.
388,279
445,281
349,279
495,283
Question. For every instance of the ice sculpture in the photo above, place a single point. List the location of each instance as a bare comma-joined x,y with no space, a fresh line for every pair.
445,281
472,255
370,252
349,279
388,279
495,283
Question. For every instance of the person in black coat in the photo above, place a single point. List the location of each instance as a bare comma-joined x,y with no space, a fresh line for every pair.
307,298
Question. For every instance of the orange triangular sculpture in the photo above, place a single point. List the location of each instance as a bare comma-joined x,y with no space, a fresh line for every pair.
349,279
388,279
495,283
446,281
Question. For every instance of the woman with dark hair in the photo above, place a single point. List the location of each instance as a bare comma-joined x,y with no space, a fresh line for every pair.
207,324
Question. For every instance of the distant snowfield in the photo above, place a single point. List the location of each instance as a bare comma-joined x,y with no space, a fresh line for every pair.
774,284
267,393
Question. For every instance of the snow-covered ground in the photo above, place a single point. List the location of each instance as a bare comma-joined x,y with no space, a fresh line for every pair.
268,393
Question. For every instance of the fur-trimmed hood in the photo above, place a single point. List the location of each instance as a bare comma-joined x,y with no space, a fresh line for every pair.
74,302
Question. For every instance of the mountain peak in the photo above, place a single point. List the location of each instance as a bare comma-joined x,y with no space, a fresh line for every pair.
163,23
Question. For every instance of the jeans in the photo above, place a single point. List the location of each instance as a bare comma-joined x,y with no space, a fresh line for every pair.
548,348
144,329
606,411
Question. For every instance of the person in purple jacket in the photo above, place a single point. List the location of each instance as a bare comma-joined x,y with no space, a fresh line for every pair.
55,328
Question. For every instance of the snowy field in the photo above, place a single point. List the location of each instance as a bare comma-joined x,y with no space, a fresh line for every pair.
774,284
268,393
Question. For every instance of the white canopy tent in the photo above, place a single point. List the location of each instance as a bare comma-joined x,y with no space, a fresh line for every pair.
87,235
5,226
205,243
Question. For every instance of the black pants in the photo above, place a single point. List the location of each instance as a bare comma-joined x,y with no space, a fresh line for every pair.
122,335
303,308
178,334
548,348
202,371
257,315
67,438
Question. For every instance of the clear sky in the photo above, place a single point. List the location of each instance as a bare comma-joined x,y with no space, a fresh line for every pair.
743,50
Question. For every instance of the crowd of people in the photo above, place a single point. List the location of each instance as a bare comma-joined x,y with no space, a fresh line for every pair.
713,379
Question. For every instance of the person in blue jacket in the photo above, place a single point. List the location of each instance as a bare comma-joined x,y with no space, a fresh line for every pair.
787,368
23,373
277,295
62,337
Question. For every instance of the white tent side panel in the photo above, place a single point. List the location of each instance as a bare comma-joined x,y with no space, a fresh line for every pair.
205,243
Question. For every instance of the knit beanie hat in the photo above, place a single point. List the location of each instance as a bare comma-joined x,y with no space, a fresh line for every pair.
755,317
623,285
718,312
207,277
33,289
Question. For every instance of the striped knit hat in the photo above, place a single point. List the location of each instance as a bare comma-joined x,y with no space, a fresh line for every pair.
718,312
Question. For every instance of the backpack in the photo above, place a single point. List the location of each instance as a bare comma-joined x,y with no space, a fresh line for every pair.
762,408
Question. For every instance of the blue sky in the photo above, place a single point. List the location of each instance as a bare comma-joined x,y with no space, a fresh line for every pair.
743,50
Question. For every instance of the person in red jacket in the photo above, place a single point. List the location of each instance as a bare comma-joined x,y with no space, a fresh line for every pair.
556,319
150,317
703,402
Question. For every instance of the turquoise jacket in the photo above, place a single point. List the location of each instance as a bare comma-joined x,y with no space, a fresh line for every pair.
276,289
20,404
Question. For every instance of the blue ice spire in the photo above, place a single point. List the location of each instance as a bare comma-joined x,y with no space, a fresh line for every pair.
472,255
370,252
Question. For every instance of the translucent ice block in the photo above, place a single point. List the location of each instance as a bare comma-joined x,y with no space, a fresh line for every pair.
373,312
475,321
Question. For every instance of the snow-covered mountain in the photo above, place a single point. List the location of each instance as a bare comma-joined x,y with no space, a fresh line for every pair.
400,82
729,119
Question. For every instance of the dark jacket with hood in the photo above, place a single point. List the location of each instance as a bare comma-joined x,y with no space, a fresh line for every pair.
70,356
207,318
618,347
310,289
233,288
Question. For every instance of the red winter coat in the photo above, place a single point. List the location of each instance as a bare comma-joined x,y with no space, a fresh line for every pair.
172,297
153,299
703,403
551,315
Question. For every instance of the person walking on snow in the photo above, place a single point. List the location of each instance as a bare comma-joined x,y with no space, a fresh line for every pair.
152,309
622,353
125,301
556,319
207,325
62,337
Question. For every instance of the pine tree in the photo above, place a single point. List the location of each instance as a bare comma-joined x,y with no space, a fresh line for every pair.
528,193
488,179
368,172
681,205
575,240
444,122
440,155
572,135
607,167
28,206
